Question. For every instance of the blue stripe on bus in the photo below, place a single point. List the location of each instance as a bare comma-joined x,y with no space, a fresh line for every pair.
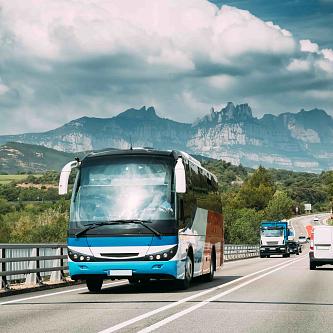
122,241
138,267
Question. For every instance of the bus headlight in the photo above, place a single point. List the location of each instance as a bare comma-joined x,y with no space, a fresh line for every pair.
76,256
163,255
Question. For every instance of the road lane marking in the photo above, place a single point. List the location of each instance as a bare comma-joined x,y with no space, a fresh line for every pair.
184,300
211,299
60,292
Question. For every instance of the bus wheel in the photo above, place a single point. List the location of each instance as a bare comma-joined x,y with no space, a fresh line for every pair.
133,280
94,285
185,283
210,276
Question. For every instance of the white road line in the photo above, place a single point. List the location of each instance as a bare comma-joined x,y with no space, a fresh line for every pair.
201,304
60,292
184,300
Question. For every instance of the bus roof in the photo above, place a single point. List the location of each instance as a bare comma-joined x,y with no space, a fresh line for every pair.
187,158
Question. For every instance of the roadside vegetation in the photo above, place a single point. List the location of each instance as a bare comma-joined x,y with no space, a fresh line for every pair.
32,211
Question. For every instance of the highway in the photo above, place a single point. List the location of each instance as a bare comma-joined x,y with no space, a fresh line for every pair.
254,295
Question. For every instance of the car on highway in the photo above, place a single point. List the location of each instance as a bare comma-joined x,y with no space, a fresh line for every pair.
321,246
316,219
295,247
302,239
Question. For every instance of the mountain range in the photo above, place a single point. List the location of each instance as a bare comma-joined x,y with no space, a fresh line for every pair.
300,141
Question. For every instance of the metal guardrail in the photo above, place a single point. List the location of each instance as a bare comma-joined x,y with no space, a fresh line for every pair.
33,264
237,252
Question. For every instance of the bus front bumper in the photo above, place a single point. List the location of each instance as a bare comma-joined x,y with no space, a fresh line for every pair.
152,269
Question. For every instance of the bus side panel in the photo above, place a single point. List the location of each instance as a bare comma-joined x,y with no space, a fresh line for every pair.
205,232
195,237
214,237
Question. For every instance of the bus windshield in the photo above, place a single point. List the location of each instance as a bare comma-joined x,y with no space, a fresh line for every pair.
272,232
124,188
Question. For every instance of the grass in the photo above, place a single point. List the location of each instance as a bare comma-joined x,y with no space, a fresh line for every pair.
6,179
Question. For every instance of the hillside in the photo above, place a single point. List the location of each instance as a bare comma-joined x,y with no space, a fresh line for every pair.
18,157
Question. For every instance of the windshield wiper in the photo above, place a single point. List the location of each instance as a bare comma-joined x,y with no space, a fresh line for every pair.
99,224
143,223
95,225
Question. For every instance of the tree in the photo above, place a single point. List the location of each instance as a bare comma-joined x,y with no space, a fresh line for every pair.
244,229
279,207
257,190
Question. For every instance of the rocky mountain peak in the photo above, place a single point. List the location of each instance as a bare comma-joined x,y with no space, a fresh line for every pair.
239,113
143,113
230,113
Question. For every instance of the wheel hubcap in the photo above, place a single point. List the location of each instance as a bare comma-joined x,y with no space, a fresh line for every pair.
188,267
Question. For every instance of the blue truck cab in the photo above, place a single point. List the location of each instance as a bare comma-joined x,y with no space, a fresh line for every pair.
274,238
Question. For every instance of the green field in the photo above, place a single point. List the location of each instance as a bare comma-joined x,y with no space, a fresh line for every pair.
6,179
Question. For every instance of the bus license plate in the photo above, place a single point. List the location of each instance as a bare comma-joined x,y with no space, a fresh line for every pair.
272,248
120,272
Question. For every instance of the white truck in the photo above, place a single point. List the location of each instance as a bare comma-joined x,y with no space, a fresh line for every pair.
321,246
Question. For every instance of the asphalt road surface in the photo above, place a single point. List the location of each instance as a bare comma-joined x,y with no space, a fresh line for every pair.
254,295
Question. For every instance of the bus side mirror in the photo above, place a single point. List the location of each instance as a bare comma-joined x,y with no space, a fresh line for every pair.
64,176
180,176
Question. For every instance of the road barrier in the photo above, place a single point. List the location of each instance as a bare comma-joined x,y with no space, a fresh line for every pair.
237,252
32,264
35,264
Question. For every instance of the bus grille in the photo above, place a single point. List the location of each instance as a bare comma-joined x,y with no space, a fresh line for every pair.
119,255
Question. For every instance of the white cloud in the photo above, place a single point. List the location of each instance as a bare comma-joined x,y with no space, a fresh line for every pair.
298,65
308,46
325,65
154,30
3,89
65,59
328,54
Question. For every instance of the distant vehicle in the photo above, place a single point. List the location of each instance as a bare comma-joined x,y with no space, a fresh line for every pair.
321,246
315,219
295,247
274,238
302,239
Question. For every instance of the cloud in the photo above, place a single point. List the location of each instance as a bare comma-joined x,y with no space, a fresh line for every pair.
60,60
308,46
299,65
327,53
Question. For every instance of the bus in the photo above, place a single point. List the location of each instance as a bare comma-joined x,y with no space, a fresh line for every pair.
141,214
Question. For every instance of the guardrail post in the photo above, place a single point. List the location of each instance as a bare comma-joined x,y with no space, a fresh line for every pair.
31,278
4,283
56,276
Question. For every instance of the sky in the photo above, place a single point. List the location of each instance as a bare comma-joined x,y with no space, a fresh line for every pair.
64,59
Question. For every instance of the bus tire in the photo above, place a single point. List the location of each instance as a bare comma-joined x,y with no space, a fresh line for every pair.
133,280
185,283
210,276
94,285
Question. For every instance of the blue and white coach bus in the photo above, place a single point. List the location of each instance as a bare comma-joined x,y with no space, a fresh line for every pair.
142,214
